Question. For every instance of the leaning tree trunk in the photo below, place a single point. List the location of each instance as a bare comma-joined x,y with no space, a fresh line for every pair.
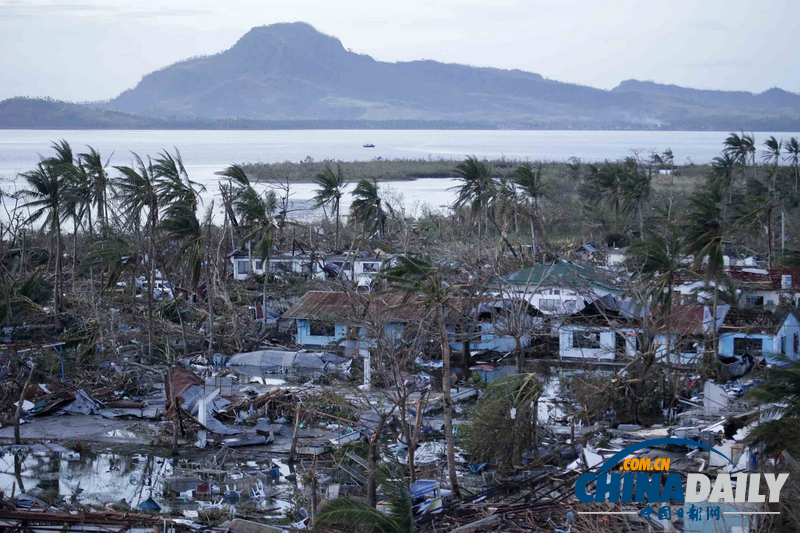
18,413
372,461
466,358
448,405
59,274
519,355
182,323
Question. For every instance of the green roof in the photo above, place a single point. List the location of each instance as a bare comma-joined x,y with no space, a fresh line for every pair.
561,273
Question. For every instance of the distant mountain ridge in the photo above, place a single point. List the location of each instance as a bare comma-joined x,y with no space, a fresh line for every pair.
291,72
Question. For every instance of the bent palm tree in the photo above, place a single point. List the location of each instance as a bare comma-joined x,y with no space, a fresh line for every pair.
366,207
96,170
793,151
723,168
256,213
47,189
330,191
477,191
137,189
530,181
704,237
414,276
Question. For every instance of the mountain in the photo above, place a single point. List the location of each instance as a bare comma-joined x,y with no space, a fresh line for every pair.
291,73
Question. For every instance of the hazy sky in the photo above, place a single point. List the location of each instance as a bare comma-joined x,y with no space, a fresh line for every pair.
94,49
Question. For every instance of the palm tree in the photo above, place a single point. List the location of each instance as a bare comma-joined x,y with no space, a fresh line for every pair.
330,191
96,170
723,168
256,213
704,237
414,276
635,190
605,187
504,424
793,149
182,226
137,189
772,155
47,188
356,516
756,211
477,188
779,392
477,191
530,182
174,184
742,148
77,205
366,207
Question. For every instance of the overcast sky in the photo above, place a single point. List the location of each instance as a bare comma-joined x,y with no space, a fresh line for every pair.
94,49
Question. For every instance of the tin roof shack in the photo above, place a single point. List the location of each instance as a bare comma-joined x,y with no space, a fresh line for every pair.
558,287
601,331
760,333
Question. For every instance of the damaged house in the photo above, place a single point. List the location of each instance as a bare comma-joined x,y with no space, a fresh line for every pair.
759,333
602,331
338,318
363,269
755,287
740,331
558,287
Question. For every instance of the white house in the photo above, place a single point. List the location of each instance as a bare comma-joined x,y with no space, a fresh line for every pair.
362,269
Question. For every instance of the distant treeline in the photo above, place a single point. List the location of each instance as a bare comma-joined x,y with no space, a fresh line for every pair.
402,169
46,113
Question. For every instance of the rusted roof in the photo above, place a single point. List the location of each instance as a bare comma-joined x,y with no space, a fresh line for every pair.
751,277
391,307
343,306
685,320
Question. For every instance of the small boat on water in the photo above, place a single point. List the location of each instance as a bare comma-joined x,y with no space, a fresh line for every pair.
369,145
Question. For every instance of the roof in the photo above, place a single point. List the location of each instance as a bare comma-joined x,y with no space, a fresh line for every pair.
751,277
392,307
686,320
605,311
562,273
752,321
694,319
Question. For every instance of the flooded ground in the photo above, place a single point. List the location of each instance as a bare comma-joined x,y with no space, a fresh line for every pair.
123,479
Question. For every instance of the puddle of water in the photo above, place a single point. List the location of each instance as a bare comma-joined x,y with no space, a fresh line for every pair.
94,479
106,477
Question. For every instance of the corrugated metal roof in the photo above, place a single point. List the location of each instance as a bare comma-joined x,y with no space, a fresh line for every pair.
562,273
